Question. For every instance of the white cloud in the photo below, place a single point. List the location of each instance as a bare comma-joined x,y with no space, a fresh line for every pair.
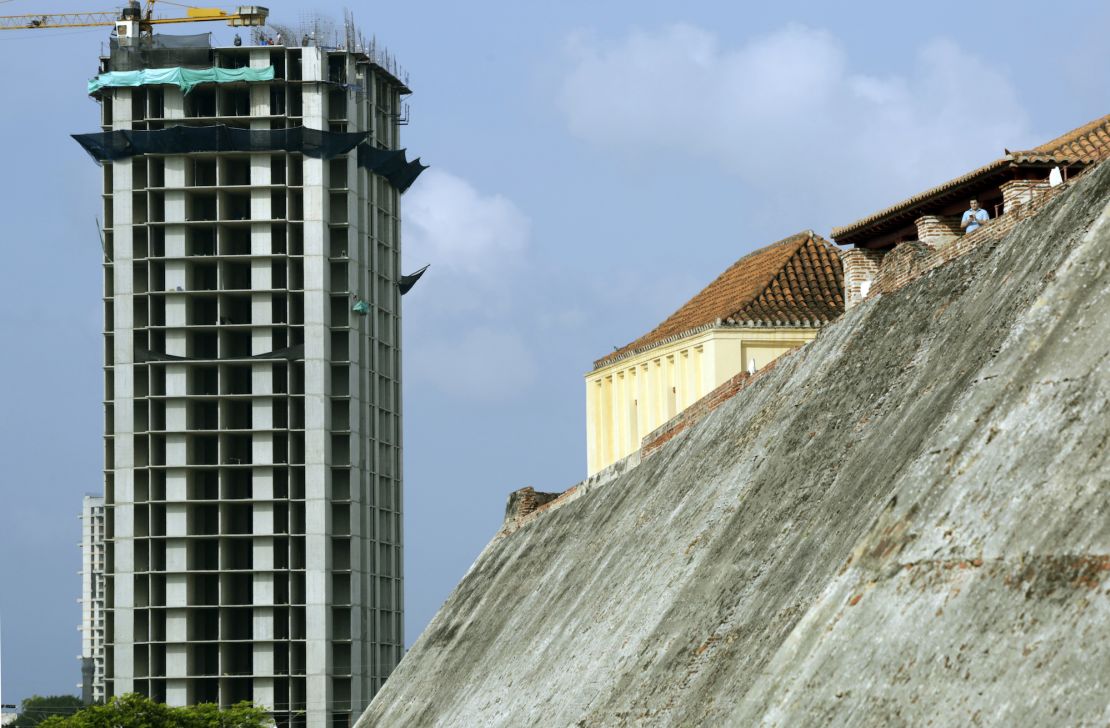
457,229
462,320
483,364
787,114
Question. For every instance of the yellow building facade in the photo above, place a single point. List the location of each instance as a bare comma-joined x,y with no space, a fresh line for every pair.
766,304
632,397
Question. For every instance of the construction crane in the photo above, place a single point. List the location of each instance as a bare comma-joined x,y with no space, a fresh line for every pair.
134,20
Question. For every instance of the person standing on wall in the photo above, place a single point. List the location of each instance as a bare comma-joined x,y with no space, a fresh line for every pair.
974,218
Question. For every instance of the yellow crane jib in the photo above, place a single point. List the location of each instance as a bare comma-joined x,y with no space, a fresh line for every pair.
132,20
57,20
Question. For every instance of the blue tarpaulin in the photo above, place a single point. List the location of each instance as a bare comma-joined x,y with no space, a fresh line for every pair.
183,78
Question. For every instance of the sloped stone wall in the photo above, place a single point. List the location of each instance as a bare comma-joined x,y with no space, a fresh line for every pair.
904,523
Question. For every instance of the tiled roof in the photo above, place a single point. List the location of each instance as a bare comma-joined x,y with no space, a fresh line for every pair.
1085,145
798,280
1088,143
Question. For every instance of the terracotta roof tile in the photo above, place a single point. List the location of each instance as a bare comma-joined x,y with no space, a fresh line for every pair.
796,280
1085,145
1090,142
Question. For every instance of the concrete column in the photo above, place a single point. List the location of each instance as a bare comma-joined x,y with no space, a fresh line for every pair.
176,555
633,417
682,364
608,433
177,595
177,692
659,392
263,514
176,525
317,387
670,384
260,94
123,374
700,388
173,103
177,451
175,177
677,382
176,409
176,385
175,209
622,414
313,67
593,390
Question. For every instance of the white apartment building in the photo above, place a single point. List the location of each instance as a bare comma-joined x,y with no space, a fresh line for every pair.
92,599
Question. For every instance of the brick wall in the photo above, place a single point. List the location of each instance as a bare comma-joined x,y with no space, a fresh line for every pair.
726,391
938,230
527,504
910,261
525,501
906,262
860,268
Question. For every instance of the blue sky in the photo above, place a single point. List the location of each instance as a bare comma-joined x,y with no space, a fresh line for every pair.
593,165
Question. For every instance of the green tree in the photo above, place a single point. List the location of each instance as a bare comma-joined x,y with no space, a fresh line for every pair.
35,709
136,711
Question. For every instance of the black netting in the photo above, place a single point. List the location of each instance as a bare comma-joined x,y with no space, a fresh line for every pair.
391,164
146,355
381,161
161,51
403,178
290,353
109,146
407,282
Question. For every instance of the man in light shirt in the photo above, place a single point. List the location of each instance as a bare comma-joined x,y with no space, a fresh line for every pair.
974,218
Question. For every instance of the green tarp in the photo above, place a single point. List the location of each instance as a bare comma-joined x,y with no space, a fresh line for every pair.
183,78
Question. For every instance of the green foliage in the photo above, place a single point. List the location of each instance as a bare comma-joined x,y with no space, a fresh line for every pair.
136,711
37,708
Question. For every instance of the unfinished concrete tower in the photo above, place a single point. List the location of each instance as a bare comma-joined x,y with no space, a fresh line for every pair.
252,371
92,600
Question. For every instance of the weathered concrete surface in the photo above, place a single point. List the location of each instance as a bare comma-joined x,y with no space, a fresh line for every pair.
907,523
